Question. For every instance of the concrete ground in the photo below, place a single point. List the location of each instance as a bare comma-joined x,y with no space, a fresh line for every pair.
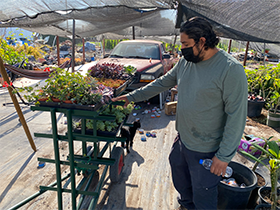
146,180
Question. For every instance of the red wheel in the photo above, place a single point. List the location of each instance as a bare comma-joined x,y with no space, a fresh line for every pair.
121,164
117,168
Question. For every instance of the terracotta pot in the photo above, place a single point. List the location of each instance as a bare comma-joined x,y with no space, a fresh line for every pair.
43,99
69,102
55,99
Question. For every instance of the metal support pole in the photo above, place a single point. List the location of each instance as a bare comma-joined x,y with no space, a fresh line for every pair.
264,54
16,104
71,158
58,50
84,56
57,158
245,56
103,46
133,32
22,203
229,46
173,47
73,47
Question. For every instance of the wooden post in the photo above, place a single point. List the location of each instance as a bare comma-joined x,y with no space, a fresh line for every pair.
58,51
16,104
245,56
84,56
229,46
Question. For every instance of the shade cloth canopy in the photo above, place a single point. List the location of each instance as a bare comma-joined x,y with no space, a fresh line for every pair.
246,20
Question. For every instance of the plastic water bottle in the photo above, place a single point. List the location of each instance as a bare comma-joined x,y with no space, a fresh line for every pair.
207,165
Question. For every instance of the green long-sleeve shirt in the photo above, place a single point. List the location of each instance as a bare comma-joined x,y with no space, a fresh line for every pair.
212,103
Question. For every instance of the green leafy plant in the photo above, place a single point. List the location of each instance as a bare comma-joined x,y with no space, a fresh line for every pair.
63,85
118,111
129,69
9,54
271,152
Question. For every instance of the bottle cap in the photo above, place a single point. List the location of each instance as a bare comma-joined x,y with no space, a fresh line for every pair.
200,161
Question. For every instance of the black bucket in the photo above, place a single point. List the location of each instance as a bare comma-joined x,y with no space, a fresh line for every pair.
263,206
262,200
254,195
254,108
230,197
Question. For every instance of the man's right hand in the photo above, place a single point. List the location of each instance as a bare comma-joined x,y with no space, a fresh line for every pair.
121,98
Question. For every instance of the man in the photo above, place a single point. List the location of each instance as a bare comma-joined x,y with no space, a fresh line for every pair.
211,113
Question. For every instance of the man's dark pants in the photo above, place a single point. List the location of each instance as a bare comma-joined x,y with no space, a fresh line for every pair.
196,185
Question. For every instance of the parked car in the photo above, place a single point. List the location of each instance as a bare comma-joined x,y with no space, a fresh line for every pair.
147,56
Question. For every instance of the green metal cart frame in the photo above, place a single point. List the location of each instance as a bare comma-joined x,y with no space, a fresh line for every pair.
88,162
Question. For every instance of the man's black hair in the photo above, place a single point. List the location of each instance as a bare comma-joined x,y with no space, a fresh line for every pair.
198,27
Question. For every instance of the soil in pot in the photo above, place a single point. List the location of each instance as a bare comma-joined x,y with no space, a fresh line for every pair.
266,196
261,180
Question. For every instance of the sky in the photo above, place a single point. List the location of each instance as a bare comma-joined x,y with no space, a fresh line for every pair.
17,31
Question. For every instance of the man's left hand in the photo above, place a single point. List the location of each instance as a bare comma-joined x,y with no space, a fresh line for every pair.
218,167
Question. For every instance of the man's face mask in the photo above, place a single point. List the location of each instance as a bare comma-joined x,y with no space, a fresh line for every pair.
189,56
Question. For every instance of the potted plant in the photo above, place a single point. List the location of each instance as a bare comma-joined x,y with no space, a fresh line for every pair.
273,117
108,128
258,91
66,87
261,179
273,155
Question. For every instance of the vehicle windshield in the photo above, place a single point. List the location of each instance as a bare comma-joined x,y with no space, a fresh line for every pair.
136,50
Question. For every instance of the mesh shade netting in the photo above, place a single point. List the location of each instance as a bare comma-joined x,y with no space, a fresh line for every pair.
245,20
91,17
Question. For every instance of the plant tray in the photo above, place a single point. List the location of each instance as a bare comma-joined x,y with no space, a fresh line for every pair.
70,106
122,88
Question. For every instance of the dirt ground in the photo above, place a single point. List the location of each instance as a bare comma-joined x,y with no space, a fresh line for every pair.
258,127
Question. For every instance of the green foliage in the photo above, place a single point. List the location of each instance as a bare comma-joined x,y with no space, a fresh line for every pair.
30,50
64,85
15,54
266,79
129,69
272,153
111,43
9,54
224,47
118,111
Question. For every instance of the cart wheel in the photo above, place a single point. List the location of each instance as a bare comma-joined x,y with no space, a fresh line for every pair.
117,168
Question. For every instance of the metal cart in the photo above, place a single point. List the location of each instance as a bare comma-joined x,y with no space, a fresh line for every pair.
89,161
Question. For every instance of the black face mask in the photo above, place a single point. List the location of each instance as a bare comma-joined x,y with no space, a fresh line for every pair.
189,56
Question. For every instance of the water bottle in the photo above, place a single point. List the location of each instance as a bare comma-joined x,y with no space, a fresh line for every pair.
207,165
